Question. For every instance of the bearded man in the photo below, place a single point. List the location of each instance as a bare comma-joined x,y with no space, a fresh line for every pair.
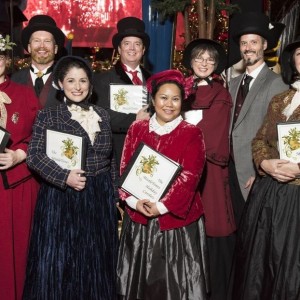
251,93
43,40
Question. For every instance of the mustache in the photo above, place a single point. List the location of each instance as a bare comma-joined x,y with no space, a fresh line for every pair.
249,51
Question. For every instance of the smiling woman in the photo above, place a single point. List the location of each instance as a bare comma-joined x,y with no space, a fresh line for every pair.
73,249
168,232
209,106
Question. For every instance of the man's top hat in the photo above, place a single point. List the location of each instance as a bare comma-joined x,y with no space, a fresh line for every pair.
255,23
44,23
288,69
186,60
130,26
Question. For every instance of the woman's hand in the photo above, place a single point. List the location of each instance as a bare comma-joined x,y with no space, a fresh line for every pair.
280,169
76,180
11,158
152,209
142,207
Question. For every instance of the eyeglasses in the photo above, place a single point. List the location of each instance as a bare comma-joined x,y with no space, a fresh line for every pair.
200,60
2,57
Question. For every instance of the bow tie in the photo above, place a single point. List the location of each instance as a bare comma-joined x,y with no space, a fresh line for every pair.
39,73
85,104
39,83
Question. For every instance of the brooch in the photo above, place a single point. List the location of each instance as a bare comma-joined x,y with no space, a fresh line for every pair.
15,117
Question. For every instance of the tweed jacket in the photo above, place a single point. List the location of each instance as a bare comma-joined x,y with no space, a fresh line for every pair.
98,155
48,95
264,145
120,122
266,85
184,145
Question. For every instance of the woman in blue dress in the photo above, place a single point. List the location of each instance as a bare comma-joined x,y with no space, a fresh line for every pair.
73,248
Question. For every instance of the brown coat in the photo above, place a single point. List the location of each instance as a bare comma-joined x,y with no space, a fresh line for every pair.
264,145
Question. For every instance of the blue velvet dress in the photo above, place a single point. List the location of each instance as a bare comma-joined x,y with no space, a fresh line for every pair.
73,248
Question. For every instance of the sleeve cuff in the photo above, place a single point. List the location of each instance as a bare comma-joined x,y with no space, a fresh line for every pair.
131,202
161,208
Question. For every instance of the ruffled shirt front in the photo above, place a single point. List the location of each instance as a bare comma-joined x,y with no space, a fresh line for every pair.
160,130
88,119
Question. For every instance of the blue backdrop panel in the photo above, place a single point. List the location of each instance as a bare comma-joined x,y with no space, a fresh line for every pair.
158,57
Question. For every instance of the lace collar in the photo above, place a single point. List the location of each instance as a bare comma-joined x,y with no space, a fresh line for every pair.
88,119
163,129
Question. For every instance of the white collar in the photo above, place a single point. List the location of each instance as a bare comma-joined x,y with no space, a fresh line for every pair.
296,85
130,69
255,72
163,129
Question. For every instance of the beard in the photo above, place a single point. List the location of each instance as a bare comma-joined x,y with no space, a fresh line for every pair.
42,60
252,61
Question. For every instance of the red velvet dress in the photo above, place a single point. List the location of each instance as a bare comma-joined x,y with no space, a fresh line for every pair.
18,201
165,257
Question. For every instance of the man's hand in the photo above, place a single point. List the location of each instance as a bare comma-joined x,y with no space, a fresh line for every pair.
142,114
249,183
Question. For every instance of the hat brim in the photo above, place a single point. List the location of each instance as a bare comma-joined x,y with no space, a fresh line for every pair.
55,31
118,37
252,30
186,60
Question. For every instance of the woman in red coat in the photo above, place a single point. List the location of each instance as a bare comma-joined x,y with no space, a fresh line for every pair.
18,189
163,250
210,110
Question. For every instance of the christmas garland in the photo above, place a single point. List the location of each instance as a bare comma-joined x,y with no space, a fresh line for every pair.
169,8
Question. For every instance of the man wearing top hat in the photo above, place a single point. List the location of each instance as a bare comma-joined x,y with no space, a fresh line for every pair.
254,34
131,41
43,40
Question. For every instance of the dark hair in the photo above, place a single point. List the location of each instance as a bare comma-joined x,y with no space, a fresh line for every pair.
200,49
295,74
289,71
156,87
65,64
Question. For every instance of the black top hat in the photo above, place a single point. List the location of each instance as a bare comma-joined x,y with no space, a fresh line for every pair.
130,26
288,69
44,23
186,60
256,23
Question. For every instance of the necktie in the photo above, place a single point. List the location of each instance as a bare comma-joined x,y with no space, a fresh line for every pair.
242,93
39,83
245,86
135,79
